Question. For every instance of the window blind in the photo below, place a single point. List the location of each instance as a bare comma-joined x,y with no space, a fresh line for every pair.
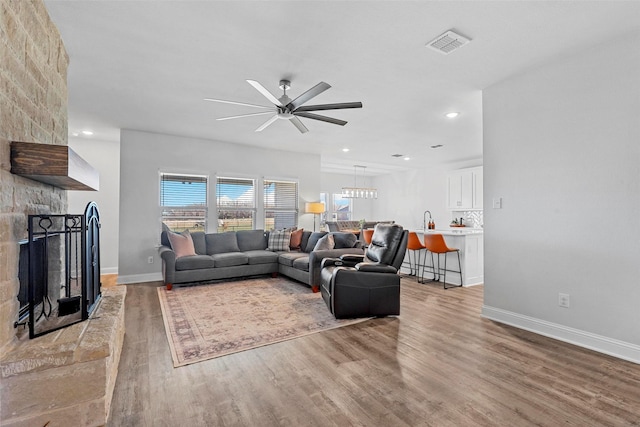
236,203
183,201
280,204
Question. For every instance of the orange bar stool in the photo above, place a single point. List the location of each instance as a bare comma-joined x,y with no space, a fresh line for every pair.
436,245
367,233
414,244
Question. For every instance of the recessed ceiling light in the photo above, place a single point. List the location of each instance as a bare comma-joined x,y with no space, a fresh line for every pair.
407,158
74,134
346,150
452,115
87,132
436,146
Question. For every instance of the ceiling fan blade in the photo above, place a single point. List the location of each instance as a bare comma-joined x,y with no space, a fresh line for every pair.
313,92
267,123
298,123
236,103
321,118
264,92
245,115
338,106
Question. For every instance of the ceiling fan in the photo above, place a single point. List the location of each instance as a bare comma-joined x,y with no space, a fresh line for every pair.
287,109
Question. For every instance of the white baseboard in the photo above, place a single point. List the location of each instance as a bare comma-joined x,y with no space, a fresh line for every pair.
109,270
139,278
599,343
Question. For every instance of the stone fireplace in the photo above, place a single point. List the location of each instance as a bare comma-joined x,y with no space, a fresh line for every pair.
33,108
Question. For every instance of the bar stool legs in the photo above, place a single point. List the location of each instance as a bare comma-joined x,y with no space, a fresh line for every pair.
414,244
435,243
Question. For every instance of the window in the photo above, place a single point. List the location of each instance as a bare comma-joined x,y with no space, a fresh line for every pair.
323,215
280,204
236,203
183,201
341,208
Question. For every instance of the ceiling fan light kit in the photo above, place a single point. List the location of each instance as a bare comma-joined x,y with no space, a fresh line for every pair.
287,109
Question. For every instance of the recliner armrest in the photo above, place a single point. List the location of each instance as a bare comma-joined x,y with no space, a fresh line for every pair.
376,268
328,262
352,258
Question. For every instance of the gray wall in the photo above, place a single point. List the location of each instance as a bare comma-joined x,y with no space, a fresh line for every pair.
144,155
561,148
105,157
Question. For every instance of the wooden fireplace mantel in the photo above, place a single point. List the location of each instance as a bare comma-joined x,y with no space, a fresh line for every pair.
57,165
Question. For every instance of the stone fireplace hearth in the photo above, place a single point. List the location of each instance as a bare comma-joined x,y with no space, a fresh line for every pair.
66,377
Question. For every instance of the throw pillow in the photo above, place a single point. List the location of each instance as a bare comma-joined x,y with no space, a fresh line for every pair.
344,240
325,243
313,239
279,241
182,244
296,239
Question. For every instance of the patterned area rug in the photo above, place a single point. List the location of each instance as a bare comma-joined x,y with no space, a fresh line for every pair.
208,321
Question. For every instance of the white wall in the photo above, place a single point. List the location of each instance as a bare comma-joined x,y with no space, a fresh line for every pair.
332,183
407,195
561,147
144,155
105,157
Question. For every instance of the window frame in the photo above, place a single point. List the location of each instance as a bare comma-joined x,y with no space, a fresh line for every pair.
203,208
335,212
292,208
224,224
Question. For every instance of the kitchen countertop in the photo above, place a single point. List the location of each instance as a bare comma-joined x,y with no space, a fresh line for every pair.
453,231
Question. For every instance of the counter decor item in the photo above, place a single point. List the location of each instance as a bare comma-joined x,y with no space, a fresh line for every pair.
457,223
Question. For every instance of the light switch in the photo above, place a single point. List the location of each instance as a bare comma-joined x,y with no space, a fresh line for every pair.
497,203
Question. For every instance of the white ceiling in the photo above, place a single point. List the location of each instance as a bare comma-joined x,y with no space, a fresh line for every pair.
148,65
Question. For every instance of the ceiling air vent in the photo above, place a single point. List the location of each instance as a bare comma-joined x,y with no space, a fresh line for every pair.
448,42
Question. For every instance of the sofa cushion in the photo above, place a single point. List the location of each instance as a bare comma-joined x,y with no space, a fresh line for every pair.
344,240
251,240
182,244
230,259
301,263
261,257
305,240
325,243
288,258
199,242
279,240
296,239
218,243
164,238
313,240
194,262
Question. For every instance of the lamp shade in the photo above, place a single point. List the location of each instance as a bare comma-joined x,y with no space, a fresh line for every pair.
314,207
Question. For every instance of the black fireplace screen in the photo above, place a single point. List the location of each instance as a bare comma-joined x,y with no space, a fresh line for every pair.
63,270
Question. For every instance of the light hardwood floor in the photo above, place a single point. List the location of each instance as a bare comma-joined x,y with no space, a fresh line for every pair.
437,364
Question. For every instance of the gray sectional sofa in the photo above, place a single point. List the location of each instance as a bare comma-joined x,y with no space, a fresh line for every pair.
245,253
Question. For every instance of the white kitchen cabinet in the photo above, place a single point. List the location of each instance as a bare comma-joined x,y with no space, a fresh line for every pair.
465,189
477,189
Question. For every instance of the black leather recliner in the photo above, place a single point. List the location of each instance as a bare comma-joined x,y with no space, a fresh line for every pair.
366,285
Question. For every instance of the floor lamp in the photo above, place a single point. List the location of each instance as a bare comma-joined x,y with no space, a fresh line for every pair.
315,208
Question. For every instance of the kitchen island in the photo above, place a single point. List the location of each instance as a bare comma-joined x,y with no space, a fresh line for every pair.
470,241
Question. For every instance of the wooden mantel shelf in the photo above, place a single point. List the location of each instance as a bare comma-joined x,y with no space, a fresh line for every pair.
57,165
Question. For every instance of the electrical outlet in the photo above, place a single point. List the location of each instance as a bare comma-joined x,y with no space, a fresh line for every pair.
563,300
150,260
